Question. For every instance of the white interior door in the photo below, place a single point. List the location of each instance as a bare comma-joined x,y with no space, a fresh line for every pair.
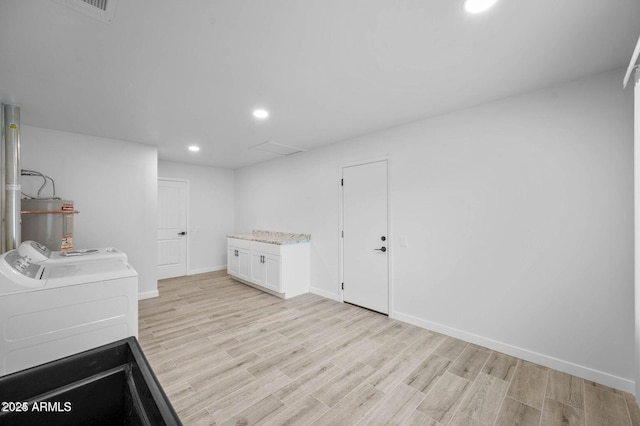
172,228
365,236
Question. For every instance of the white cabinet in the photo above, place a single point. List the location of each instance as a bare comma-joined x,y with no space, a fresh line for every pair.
238,258
265,271
280,269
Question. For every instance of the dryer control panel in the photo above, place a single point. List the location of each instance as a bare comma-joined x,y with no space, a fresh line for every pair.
34,251
23,265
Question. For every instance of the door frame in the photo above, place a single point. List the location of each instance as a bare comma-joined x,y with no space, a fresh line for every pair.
636,138
186,254
390,234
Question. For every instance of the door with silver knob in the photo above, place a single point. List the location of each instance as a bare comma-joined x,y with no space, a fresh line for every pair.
365,247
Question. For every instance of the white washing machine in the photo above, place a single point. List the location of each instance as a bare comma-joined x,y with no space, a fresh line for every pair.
39,253
53,309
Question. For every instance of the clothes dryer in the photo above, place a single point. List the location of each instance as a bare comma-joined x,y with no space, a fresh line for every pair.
50,310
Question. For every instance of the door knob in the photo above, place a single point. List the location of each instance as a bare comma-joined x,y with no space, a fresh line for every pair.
382,249
182,233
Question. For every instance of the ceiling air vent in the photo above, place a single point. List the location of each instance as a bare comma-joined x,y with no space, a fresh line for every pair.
102,10
276,148
100,4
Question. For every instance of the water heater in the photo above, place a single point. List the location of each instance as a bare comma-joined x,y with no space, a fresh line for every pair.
48,221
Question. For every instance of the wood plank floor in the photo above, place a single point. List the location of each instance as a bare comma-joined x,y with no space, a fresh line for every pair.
228,354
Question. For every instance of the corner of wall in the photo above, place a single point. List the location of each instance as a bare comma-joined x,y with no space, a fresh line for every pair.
326,294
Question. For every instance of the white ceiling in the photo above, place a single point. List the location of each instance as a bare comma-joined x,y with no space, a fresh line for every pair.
172,73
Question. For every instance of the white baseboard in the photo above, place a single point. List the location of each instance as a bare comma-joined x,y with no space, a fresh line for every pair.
205,270
148,294
541,359
327,294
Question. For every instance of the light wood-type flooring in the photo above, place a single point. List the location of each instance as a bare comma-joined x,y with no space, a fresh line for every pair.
229,354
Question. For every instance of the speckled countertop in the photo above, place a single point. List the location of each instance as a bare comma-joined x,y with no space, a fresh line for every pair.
272,237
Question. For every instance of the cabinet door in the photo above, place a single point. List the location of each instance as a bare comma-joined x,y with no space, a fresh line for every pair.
232,261
272,273
244,267
257,268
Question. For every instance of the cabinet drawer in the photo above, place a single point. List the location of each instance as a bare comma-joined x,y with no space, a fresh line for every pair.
265,248
238,243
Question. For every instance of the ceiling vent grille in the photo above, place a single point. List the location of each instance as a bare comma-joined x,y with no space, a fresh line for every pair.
102,10
276,148
100,4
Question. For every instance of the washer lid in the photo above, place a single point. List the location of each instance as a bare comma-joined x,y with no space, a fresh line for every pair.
57,275
86,255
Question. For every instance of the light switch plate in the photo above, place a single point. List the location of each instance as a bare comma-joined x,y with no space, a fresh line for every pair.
404,241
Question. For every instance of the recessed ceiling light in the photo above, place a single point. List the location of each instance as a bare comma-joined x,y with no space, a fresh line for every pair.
260,113
478,6
194,148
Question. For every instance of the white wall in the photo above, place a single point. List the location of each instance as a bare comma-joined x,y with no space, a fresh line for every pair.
519,216
636,150
211,212
113,185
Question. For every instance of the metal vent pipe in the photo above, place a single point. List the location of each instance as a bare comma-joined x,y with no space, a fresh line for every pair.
11,204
